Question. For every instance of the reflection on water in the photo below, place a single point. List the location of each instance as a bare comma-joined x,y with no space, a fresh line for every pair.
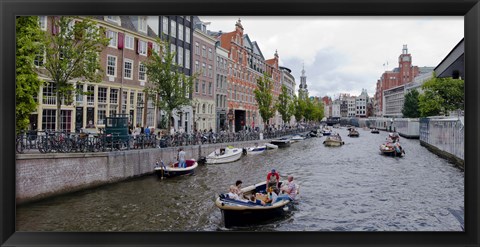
348,188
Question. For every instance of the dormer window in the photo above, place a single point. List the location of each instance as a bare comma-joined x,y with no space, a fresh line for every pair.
142,24
114,19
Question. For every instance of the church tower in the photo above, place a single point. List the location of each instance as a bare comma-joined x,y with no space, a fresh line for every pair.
302,90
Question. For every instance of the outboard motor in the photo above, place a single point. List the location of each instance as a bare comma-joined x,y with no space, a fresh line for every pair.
244,151
202,160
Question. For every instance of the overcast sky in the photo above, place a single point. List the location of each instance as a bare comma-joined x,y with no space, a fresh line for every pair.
346,54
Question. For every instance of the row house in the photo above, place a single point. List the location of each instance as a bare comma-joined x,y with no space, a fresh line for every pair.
361,103
121,90
221,86
288,80
178,32
247,65
204,86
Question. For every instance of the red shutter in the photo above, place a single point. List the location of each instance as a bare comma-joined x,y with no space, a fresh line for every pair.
120,40
137,45
150,47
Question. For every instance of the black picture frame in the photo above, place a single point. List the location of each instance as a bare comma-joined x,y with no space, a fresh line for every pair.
470,9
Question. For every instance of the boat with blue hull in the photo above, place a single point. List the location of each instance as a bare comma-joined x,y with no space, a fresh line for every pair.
244,212
256,149
162,170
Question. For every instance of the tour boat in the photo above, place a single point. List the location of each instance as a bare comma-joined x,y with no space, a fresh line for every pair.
281,142
271,146
245,212
333,141
256,149
392,149
353,133
224,155
162,170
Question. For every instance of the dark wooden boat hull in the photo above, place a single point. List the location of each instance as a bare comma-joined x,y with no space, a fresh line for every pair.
253,217
281,144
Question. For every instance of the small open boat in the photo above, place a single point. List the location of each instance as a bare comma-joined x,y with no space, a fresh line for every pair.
245,212
353,133
375,131
161,170
256,149
281,142
271,146
224,155
392,149
297,138
333,141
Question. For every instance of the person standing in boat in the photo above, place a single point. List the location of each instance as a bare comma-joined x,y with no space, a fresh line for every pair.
181,158
272,180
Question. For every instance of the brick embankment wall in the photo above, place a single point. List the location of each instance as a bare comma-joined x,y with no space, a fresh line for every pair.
39,176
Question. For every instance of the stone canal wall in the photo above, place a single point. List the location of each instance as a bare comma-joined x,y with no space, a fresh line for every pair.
40,176
444,137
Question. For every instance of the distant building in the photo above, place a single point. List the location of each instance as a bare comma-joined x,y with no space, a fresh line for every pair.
361,104
288,80
302,88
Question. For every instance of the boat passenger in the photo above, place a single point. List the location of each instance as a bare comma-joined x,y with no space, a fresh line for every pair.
232,195
238,189
290,190
272,180
254,200
181,158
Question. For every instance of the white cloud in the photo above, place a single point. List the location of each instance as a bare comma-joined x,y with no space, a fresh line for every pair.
355,48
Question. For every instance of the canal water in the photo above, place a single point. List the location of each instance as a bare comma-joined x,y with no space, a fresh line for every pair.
347,188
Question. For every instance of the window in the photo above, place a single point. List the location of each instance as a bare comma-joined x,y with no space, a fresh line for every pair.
187,35
132,99
156,48
210,71
197,67
197,48
203,87
210,88
129,42
165,25
90,95
187,58
115,19
113,38
101,116
180,56
113,96
128,65
180,32
210,53
142,24
142,72
102,95
142,47
42,22
78,94
48,119
173,28
196,86
111,65
173,50
187,17
204,70
39,60
204,51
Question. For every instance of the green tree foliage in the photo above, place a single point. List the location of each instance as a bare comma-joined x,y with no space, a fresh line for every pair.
283,105
410,105
28,37
72,54
308,113
299,106
441,95
168,87
264,97
318,111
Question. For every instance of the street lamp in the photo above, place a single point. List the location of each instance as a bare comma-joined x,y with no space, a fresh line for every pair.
140,109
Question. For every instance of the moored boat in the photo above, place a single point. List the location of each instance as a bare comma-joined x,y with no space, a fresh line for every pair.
297,138
333,141
281,142
246,212
256,149
224,155
162,170
271,146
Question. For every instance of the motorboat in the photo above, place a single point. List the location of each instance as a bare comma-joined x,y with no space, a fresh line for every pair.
353,133
315,133
326,132
392,149
271,146
297,138
333,141
224,155
281,142
242,211
172,170
375,131
256,149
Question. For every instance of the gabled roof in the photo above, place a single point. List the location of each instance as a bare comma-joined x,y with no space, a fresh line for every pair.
127,23
247,42
257,50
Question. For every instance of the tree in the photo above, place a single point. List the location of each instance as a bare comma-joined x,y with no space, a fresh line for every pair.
308,113
168,87
299,106
410,106
264,98
71,53
318,111
28,37
283,105
441,95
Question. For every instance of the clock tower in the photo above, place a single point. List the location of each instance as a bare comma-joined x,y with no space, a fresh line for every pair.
302,88
405,67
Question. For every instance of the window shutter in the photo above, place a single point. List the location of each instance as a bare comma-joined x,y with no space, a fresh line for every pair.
150,47
120,40
137,46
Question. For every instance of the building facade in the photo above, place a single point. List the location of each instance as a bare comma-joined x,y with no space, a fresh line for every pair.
288,80
204,86
361,104
221,86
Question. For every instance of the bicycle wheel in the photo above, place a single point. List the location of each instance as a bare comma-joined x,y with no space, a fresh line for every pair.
19,146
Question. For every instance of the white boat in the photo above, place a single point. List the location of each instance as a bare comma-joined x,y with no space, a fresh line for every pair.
333,141
256,149
224,155
173,170
281,142
271,146
297,138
